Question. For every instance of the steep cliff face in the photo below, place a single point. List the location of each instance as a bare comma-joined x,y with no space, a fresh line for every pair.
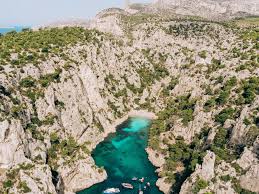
63,89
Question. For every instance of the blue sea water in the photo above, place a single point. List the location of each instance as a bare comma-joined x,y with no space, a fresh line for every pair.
123,156
10,29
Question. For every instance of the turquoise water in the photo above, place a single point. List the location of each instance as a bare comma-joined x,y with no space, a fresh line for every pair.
123,156
16,28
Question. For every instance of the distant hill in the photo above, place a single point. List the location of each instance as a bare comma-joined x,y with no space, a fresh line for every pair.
211,9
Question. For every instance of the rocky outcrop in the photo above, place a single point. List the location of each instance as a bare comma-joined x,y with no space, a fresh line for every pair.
156,158
250,179
80,175
247,159
12,144
35,179
107,21
249,162
222,187
204,171
163,185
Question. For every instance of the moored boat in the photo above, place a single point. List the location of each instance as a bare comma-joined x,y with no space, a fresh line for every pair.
127,185
142,180
111,190
134,178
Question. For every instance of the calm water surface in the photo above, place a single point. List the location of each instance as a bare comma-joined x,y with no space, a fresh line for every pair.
123,156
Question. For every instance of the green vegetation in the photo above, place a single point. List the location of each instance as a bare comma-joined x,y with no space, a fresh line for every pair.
28,82
227,113
251,135
174,81
182,106
199,185
8,184
36,46
225,178
17,110
251,89
24,187
223,96
247,22
47,79
203,54
67,149
185,157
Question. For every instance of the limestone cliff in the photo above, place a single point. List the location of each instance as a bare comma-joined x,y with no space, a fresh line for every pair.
63,89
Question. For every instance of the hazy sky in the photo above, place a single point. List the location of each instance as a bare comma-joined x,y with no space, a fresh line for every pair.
35,12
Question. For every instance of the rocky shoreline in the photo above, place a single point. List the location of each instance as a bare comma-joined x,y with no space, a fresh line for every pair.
158,161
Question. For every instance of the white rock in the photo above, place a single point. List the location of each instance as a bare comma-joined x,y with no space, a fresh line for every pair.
247,159
250,180
81,175
12,147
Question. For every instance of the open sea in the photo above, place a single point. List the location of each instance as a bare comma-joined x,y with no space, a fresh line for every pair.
10,29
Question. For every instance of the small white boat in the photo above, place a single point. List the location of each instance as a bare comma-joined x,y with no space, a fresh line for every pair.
142,180
134,178
127,185
111,190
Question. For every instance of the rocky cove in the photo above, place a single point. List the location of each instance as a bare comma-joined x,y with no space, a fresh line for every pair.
123,156
64,90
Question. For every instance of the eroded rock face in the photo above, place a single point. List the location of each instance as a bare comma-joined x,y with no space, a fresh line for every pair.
110,24
37,179
80,175
12,144
224,188
250,179
248,158
163,186
204,171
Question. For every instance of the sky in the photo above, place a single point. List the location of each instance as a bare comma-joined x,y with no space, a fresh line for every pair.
36,12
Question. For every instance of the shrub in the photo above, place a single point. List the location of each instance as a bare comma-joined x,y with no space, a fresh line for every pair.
220,139
27,82
225,114
209,104
47,79
54,138
251,135
203,54
199,185
223,97
17,110
174,81
251,89
49,120
225,178
8,184
24,187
